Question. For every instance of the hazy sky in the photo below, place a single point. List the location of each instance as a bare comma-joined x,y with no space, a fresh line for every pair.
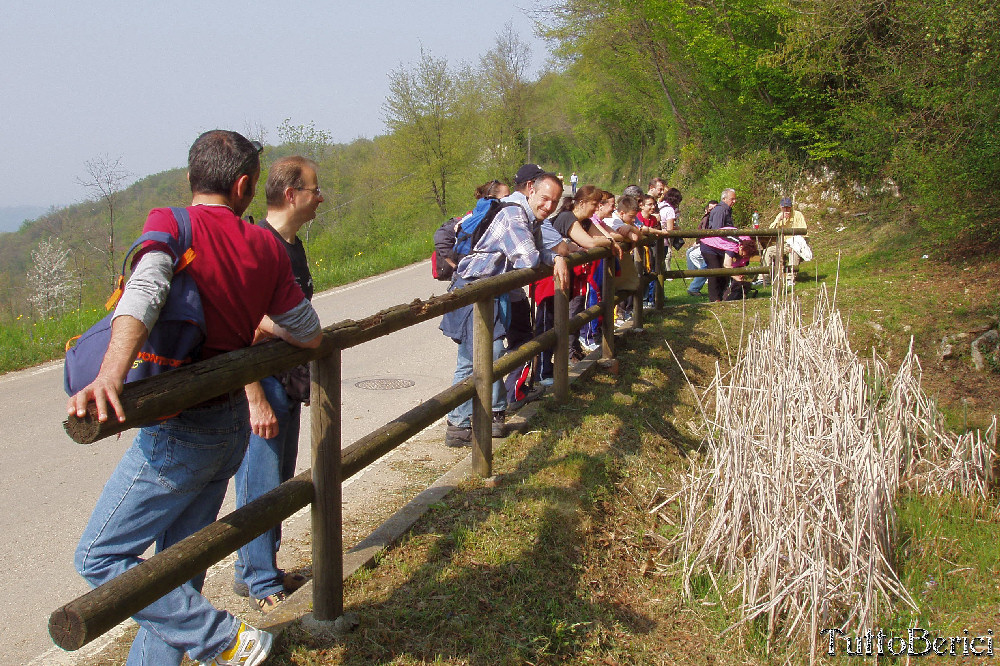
142,79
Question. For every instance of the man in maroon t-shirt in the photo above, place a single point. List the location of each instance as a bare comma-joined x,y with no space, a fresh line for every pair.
170,483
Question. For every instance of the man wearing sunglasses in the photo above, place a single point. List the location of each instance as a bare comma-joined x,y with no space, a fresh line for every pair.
170,483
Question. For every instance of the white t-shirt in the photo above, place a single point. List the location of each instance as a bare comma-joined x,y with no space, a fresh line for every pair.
667,212
614,222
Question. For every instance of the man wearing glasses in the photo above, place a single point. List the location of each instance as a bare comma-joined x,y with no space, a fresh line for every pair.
170,483
293,195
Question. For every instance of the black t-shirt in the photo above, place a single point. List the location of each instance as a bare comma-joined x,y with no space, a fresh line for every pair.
564,221
297,255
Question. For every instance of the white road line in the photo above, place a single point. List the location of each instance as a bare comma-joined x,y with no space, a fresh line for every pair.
371,280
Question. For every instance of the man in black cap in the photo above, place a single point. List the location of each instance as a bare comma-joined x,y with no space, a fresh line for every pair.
790,220
524,177
512,240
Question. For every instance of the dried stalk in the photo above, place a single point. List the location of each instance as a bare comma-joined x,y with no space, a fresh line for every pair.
804,455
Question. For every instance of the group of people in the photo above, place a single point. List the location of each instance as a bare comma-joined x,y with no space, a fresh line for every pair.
545,227
254,283
735,251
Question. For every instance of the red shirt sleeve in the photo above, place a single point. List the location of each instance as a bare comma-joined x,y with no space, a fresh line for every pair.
159,219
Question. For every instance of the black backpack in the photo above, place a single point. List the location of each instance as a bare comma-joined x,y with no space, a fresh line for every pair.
703,224
444,249
738,290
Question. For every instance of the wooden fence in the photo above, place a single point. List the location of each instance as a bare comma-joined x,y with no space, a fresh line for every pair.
87,617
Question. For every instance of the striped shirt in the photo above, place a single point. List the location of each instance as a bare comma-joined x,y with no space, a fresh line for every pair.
513,240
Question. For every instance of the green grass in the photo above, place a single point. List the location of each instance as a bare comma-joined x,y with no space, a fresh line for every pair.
29,341
558,563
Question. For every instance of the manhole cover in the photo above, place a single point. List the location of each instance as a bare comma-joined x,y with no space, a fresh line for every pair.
384,384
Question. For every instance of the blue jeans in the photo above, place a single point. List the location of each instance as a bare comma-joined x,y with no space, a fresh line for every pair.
461,416
168,485
268,463
696,263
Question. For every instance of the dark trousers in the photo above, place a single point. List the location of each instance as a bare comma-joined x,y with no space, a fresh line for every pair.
716,284
545,319
518,333
575,308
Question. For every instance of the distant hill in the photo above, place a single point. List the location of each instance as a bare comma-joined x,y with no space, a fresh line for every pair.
83,229
12,217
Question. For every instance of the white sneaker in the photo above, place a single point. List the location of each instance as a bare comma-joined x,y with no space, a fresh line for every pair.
250,647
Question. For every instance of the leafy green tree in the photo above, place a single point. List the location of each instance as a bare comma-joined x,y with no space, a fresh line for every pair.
430,121
305,140
504,95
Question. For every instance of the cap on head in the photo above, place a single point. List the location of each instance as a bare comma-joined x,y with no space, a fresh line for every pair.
786,202
528,173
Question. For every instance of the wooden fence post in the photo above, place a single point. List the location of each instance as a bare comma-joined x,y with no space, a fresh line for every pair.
608,303
327,518
560,357
779,259
482,399
658,258
640,291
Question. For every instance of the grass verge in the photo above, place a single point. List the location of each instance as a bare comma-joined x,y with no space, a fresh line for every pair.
561,563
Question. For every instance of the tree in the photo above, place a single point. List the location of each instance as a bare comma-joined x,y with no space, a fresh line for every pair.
106,178
49,280
429,123
305,140
505,99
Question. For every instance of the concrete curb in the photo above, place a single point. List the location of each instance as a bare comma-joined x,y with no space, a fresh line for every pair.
298,606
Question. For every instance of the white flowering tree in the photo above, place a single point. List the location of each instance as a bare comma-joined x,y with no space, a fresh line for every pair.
49,280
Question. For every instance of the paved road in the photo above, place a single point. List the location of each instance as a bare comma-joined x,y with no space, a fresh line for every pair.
48,484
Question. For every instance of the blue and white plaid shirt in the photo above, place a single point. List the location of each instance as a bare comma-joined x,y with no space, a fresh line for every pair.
512,241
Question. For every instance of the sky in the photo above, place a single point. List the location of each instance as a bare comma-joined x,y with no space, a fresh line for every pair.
141,80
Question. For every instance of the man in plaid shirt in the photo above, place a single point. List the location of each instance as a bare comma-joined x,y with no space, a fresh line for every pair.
513,240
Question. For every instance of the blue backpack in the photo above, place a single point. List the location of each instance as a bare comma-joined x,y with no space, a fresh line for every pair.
475,225
177,335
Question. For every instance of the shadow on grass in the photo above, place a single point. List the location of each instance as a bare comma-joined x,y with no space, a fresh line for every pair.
518,573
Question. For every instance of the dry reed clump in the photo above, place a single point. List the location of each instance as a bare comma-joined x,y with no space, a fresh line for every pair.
792,499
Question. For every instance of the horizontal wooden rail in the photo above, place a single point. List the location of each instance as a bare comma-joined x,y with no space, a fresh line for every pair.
752,233
87,617
147,400
714,272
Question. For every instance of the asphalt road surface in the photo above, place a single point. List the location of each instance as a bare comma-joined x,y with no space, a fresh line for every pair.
49,484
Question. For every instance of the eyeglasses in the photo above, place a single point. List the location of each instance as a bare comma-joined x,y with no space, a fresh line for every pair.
315,190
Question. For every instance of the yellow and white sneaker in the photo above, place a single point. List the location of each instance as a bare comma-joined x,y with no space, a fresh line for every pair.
250,647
